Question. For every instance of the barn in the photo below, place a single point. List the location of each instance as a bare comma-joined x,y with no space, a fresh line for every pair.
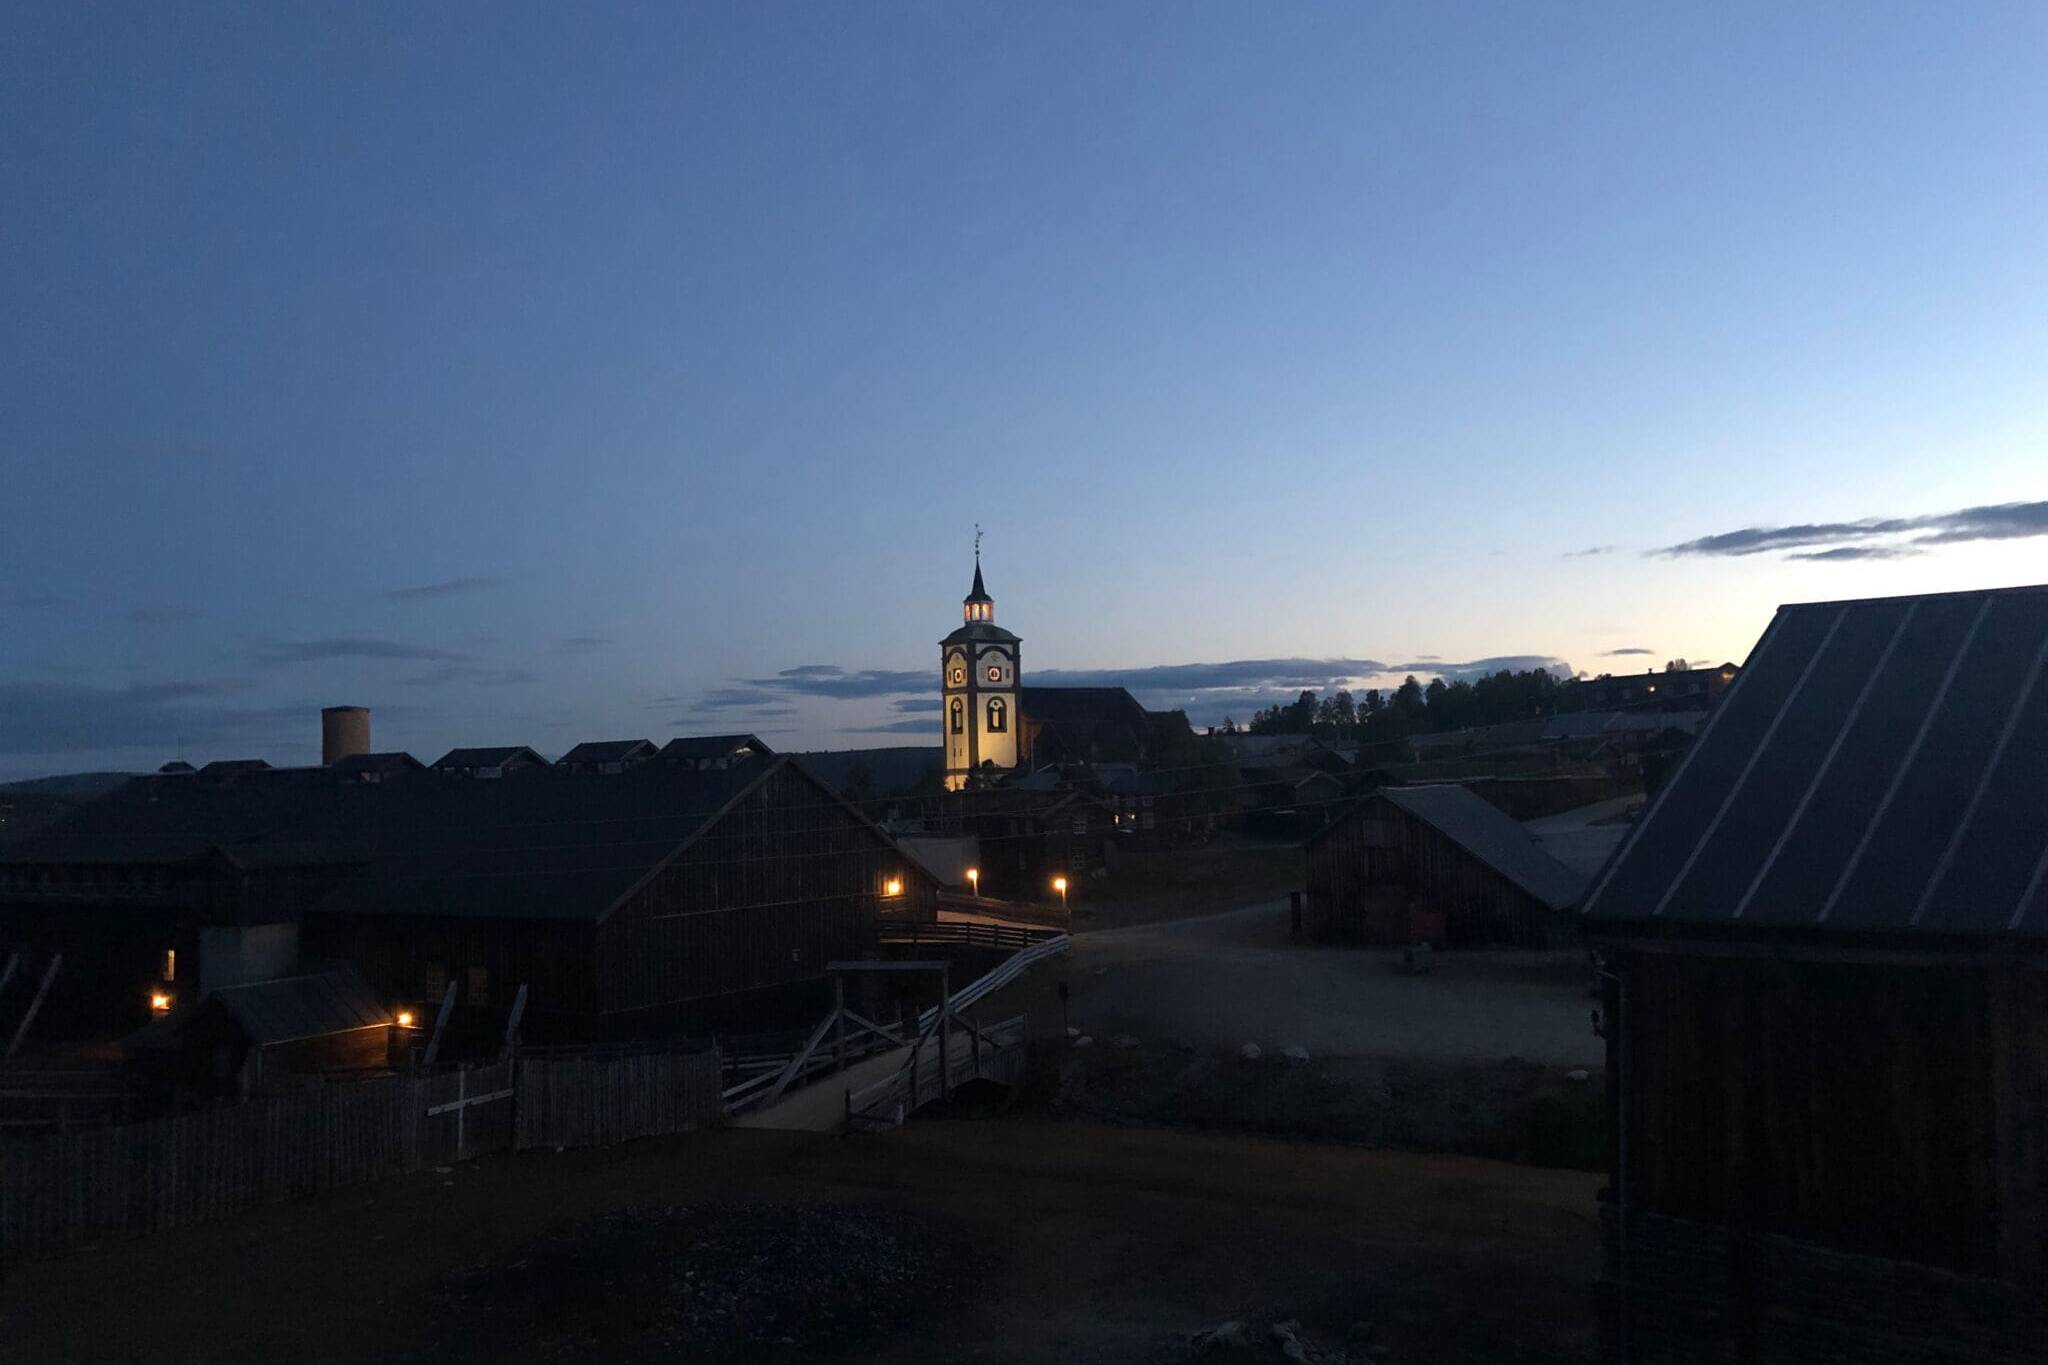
1826,966
1435,864
647,899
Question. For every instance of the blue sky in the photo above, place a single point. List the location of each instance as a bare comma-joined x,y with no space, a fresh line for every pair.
533,375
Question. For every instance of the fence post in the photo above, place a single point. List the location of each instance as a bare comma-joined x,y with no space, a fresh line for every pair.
839,1018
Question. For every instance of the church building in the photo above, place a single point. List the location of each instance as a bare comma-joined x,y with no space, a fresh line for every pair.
992,725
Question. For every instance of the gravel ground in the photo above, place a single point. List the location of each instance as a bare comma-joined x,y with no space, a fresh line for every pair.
746,1282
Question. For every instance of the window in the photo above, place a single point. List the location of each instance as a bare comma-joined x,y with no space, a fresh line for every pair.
479,988
998,716
170,964
959,716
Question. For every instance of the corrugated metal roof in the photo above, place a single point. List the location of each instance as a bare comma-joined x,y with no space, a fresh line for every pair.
1486,832
1879,766
295,1007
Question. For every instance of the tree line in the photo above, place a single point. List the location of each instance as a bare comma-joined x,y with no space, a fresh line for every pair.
1413,708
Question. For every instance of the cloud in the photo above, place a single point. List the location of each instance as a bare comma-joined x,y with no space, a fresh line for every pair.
581,644
451,588
162,616
155,718
1997,521
1848,552
1589,552
277,652
826,680
916,705
752,719
470,673
1631,649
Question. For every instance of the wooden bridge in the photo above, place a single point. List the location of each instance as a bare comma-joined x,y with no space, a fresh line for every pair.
855,1073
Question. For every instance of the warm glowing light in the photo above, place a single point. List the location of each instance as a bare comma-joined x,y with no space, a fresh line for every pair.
405,1018
1059,884
974,875
160,1002
893,887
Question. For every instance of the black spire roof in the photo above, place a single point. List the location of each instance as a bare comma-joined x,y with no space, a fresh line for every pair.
980,594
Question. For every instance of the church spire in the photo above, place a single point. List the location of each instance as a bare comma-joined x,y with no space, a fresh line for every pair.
978,605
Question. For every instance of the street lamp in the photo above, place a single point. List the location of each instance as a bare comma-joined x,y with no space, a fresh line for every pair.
974,880
1059,884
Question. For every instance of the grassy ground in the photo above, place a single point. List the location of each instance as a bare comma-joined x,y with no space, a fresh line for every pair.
1144,888
1084,1243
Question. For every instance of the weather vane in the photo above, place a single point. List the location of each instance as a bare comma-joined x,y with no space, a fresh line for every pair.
977,542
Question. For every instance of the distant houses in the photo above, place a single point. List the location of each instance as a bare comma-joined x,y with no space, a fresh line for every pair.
1826,1005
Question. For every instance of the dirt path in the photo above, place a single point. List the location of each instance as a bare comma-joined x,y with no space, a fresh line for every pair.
1099,1245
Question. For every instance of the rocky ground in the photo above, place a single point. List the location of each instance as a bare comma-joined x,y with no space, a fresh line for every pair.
1013,1240
741,1282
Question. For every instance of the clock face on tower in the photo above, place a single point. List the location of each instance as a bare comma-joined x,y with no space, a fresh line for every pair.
995,672
958,676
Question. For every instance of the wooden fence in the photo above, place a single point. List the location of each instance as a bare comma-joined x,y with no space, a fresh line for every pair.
68,1190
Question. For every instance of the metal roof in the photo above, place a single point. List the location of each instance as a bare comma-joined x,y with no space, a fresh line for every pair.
494,756
1879,766
1488,834
295,1007
608,751
692,747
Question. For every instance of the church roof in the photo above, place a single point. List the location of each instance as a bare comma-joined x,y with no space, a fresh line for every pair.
981,632
980,594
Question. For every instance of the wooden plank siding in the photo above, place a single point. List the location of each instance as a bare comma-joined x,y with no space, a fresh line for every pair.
1370,869
779,885
1848,1105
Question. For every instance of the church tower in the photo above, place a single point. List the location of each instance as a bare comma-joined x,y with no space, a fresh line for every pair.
978,689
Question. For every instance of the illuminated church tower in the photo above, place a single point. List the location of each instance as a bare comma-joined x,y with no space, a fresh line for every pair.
978,716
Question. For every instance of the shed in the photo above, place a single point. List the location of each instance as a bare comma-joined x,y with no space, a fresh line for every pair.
1436,863
246,1038
1826,1012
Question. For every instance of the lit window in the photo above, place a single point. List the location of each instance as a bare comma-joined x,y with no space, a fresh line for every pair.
170,964
998,716
893,887
959,715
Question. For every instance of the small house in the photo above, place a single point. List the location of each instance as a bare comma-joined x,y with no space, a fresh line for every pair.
1436,864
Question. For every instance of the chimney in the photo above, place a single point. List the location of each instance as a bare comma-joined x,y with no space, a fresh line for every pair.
344,732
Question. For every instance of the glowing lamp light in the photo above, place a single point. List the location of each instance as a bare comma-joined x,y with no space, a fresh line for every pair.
160,1002
405,1018
974,879
893,887
1059,884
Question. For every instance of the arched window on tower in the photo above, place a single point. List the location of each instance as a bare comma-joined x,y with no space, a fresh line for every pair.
959,711
998,716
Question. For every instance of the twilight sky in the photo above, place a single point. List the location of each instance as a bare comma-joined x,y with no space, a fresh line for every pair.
534,375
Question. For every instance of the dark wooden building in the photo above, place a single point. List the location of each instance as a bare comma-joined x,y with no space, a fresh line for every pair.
1436,864
655,898
1826,952
1098,725
264,1035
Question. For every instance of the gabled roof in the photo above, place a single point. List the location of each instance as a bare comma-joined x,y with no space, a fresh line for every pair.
235,765
694,748
496,756
1488,834
295,1007
608,751
1879,766
376,763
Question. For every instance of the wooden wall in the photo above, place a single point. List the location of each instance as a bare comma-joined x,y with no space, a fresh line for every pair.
1845,1104
782,884
1365,872
403,956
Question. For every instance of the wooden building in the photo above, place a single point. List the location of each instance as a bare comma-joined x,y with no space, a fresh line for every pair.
264,1035
1436,864
1826,954
655,898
